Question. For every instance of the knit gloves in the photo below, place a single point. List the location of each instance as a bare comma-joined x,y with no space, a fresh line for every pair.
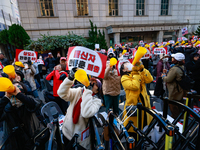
90,86
138,66
71,73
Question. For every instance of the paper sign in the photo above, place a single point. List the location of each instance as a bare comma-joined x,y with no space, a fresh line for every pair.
147,55
40,62
25,55
1,66
171,42
92,62
159,51
97,46
85,134
141,42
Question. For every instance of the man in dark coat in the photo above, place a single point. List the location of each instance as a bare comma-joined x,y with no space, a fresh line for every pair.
194,66
51,62
3,60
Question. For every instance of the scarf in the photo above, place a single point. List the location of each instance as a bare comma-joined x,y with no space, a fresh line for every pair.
77,110
15,102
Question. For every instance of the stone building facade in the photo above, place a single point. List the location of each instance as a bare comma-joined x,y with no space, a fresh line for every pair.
9,14
122,20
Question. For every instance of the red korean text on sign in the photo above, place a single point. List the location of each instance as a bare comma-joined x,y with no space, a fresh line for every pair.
25,53
92,58
90,67
29,53
77,54
84,56
96,69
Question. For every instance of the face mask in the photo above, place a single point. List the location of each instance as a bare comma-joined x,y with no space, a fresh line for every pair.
129,66
40,57
165,59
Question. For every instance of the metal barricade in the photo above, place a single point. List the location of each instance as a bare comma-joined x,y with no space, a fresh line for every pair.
143,135
185,139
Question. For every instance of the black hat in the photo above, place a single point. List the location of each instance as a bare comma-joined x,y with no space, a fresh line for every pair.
18,72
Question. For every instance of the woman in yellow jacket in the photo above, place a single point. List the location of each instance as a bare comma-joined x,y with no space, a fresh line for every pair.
133,80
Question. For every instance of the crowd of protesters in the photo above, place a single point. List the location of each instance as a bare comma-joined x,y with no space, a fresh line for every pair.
78,103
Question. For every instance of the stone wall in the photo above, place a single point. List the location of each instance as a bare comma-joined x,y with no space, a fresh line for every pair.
66,20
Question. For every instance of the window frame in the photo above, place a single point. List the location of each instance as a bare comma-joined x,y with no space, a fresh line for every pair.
83,11
42,2
110,3
137,8
162,4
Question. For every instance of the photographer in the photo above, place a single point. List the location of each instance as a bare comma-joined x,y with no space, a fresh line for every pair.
51,62
29,72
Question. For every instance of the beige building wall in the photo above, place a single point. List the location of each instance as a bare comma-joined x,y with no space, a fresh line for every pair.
181,13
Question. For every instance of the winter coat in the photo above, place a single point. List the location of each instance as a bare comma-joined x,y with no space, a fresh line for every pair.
174,74
194,67
19,118
4,62
111,83
57,80
188,52
160,68
89,106
36,68
29,76
51,62
155,59
134,86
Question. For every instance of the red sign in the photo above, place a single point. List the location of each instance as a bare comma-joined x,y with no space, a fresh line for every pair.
25,55
92,62
159,51
40,62
147,55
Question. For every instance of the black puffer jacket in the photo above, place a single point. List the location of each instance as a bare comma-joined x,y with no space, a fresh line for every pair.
188,52
4,62
19,121
194,67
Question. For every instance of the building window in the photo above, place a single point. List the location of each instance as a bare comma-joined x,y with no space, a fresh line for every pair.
46,7
140,7
113,7
82,7
164,7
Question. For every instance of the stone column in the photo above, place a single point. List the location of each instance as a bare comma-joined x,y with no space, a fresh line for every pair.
107,38
179,33
117,38
160,37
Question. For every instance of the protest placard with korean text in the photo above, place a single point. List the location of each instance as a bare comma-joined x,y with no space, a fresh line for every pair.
25,55
159,51
91,61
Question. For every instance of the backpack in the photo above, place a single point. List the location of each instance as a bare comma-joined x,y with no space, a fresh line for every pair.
185,82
